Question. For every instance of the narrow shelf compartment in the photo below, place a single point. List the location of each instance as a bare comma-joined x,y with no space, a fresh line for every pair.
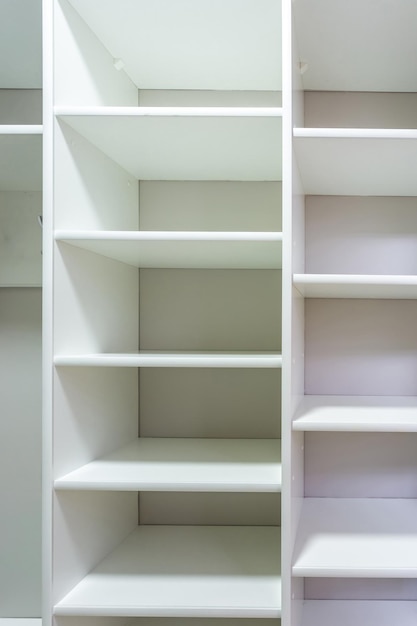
168,249
216,45
357,413
361,162
184,571
152,464
173,359
356,286
20,157
194,143
350,537
359,612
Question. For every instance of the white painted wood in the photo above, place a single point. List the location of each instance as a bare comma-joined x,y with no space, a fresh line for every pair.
357,538
214,45
359,613
20,452
356,286
162,249
368,65
399,589
21,239
83,69
184,571
20,158
199,310
21,44
163,621
171,403
16,621
183,465
354,347
360,235
210,206
188,140
174,359
357,414
376,162
208,98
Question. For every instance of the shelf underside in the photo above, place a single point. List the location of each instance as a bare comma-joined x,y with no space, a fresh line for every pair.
214,44
356,286
359,613
357,413
357,162
198,250
351,51
177,144
357,538
191,571
21,161
183,465
173,359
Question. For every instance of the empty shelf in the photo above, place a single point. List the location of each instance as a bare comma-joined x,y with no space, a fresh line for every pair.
185,143
183,465
360,162
356,286
184,571
357,538
357,413
199,250
214,45
359,613
173,359
21,158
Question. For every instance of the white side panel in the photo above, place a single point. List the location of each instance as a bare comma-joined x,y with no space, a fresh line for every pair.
361,235
183,97
210,205
84,69
360,465
210,403
91,191
98,412
96,303
87,526
224,509
361,347
20,452
21,239
210,310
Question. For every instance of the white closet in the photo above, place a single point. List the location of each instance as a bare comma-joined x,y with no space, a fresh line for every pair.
354,301
20,310
163,494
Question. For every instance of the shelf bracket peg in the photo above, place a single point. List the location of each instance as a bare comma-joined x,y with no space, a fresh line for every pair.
302,67
118,64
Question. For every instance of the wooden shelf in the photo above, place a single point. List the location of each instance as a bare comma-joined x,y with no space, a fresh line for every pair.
356,286
173,359
357,538
191,571
217,45
361,162
359,612
194,143
20,157
357,413
252,465
199,250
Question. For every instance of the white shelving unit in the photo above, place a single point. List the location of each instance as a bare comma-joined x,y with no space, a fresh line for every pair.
20,311
354,302
164,131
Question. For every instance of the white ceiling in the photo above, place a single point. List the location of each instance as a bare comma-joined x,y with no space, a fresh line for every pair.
20,44
358,45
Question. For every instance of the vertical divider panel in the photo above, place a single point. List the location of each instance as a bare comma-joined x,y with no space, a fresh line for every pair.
293,323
